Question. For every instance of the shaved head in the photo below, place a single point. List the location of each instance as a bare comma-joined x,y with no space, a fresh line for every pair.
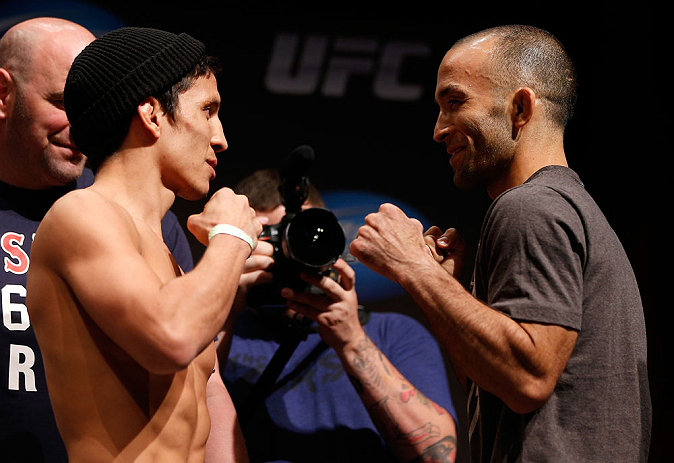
36,149
18,45
528,56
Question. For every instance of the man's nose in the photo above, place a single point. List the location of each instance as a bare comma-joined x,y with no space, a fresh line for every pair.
441,128
218,141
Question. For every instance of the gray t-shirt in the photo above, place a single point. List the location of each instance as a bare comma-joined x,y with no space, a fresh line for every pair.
548,255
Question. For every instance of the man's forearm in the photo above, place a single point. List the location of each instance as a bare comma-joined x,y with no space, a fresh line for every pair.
518,362
413,426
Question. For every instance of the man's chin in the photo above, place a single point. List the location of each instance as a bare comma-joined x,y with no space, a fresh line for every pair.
65,173
64,165
464,180
196,194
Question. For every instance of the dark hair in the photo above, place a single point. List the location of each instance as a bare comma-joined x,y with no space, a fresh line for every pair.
169,100
531,57
261,188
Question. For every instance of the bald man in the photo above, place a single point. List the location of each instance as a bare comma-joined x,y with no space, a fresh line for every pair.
38,164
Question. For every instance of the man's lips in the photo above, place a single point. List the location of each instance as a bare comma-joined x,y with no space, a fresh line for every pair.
69,147
212,164
456,154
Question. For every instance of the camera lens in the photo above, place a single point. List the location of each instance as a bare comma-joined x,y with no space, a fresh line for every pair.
315,238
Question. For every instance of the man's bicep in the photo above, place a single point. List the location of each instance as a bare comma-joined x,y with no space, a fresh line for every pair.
108,277
112,280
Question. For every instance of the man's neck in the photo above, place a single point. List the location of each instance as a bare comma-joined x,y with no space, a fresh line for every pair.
529,159
135,186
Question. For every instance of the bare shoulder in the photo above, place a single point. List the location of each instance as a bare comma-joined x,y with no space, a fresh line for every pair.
79,205
80,222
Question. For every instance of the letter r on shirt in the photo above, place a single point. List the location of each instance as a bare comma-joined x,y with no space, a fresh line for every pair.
21,361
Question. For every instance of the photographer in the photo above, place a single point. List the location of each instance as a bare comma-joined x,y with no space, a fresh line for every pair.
349,390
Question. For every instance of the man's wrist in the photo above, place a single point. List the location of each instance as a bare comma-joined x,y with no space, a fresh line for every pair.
231,230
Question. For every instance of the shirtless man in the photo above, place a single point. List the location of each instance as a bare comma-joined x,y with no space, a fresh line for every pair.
127,338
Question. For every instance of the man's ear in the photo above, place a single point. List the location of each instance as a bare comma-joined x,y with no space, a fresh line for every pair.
523,104
150,112
6,92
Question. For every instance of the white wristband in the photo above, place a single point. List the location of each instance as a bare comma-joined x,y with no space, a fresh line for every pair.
228,229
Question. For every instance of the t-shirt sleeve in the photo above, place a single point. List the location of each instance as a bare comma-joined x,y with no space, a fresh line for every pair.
536,247
176,241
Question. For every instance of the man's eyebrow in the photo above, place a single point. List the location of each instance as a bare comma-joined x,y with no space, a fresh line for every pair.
213,102
55,95
447,89
55,98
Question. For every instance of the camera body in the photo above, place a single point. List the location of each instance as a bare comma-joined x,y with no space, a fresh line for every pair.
306,240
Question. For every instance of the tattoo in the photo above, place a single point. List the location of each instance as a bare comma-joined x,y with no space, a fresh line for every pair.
383,363
438,408
368,361
425,432
406,395
384,419
442,451
373,373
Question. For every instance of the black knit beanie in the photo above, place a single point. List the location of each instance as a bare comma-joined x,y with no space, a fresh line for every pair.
113,74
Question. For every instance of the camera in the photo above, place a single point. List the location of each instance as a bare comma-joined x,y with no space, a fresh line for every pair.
306,240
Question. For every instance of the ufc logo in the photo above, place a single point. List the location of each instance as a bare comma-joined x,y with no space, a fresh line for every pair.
321,65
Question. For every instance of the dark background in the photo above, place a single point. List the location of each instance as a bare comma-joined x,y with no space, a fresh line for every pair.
373,143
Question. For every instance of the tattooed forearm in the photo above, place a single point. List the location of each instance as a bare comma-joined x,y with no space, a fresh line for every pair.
371,364
406,396
384,418
383,363
427,431
442,451
406,444
411,424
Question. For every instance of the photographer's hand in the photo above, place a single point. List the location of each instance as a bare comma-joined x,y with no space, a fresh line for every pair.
336,312
413,426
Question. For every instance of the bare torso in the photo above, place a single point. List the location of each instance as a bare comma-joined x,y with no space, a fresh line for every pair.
107,405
